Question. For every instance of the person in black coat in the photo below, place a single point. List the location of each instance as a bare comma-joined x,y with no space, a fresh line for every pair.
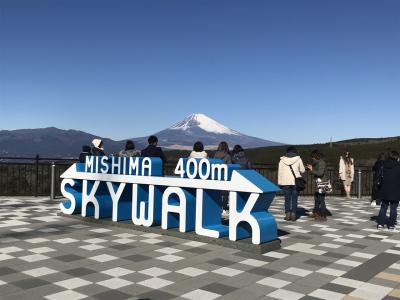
390,189
86,151
376,195
152,150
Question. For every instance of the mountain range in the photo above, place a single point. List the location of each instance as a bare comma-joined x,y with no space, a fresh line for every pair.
54,142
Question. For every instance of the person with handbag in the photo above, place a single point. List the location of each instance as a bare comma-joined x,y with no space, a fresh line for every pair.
390,191
290,180
346,172
322,185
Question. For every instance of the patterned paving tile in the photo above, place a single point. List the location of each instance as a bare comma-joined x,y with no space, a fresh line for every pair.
114,283
68,294
46,256
285,294
155,283
200,294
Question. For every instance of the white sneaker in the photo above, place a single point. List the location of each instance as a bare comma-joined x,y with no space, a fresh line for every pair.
373,203
380,227
225,213
393,229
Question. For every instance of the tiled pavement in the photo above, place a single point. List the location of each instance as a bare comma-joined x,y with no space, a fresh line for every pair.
44,256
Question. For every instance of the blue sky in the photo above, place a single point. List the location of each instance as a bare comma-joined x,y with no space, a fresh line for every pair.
290,71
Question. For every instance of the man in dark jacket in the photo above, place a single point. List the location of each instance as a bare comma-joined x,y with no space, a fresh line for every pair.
152,150
390,191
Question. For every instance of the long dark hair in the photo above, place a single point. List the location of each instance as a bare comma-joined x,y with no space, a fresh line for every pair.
316,154
381,156
223,146
346,156
237,149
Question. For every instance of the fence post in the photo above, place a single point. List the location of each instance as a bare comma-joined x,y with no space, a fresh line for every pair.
37,175
52,180
359,183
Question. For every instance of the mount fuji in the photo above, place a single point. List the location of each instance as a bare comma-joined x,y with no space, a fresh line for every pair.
199,127
55,142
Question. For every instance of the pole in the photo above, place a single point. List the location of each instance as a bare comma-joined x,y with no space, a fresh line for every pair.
52,180
37,175
359,183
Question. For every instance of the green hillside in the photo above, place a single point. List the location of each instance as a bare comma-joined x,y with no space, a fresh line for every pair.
363,150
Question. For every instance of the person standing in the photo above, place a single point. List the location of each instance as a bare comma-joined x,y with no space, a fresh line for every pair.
376,194
390,188
198,151
239,157
98,147
129,150
152,150
290,167
346,172
318,169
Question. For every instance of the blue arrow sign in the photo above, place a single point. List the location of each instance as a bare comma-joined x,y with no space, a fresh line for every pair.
134,189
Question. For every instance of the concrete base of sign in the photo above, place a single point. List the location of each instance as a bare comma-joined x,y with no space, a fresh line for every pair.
243,245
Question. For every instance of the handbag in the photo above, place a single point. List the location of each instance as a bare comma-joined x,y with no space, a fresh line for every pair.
324,186
299,182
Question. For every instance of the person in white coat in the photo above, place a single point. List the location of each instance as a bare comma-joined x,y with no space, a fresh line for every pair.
346,172
286,180
198,151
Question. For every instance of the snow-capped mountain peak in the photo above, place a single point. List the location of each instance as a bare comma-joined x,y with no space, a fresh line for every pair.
203,122
182,136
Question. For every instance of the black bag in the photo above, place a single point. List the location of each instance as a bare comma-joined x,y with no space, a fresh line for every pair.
300,182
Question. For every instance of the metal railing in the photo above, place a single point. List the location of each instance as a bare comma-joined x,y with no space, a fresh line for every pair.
32,176
37,176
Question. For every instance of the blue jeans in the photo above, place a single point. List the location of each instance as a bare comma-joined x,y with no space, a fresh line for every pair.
319,206
291,196
393,213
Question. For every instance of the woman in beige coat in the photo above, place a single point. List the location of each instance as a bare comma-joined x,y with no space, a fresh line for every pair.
346,172
286,180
